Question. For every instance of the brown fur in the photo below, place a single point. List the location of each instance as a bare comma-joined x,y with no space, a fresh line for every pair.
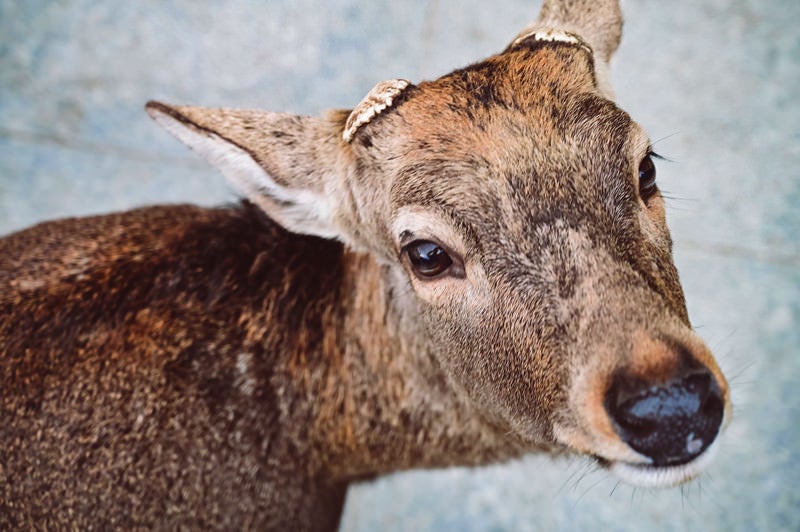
206,368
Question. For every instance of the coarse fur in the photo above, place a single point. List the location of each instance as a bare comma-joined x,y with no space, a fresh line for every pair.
177,366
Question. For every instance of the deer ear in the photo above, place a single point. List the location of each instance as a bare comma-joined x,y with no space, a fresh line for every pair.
597,23
285,164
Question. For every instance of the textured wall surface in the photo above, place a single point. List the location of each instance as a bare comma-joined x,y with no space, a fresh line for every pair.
715,83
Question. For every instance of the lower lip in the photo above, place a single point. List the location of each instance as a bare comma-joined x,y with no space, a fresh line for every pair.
647,476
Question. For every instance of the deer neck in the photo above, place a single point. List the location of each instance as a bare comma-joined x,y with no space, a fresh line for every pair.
384,404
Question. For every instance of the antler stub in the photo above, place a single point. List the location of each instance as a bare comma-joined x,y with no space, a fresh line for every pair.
380,98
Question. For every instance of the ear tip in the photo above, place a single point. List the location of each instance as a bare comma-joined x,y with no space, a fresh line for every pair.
154,108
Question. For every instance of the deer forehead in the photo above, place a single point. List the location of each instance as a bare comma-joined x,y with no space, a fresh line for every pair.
520,159
542,102
532,79
384,95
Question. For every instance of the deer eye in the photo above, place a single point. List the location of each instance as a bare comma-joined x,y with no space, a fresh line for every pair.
428,259
647,177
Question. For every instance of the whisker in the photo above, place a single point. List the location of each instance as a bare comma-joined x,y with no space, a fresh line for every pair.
590,488
571,476
661,139
668,195
735,376
583,472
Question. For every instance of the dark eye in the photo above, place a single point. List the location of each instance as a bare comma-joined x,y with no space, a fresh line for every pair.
647,178
427,258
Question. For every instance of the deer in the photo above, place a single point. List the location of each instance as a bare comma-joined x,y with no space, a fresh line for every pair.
455,272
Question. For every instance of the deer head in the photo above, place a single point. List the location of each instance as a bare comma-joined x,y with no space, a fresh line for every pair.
516,207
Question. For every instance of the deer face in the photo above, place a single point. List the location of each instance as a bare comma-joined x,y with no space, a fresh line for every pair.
518,204
524,211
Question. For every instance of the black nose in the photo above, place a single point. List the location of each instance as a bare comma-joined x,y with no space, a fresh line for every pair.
670,423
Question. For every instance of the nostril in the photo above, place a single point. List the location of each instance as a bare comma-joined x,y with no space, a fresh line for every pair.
670,423
636,427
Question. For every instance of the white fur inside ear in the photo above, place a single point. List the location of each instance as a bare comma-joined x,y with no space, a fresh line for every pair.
301,211
375,102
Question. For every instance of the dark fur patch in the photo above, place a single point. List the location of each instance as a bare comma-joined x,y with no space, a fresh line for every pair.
144,321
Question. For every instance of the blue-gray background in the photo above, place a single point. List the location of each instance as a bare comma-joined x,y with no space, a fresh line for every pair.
715,82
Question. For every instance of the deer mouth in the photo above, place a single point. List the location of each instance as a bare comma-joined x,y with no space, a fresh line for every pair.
662,476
